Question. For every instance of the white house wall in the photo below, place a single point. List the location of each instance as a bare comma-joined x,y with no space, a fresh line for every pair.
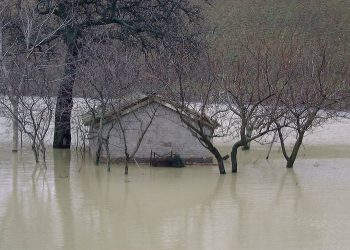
166,134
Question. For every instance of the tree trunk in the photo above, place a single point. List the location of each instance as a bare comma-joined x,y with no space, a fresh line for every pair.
240,143
62,134
219,159
43,152
234,156
294,154
100,138
221,166
21,139
126,163
108,157
98,154
14,103
36,153
271,144
246,145
126,168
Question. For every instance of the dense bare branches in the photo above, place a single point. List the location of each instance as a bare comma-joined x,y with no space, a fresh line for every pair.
318,91
146,25
137,21
253,83
191,83
31,107
286,86
27,78
110,83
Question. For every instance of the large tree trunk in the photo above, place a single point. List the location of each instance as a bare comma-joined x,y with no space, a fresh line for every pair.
62,134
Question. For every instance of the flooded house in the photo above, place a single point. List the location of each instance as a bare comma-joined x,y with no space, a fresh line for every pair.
149,127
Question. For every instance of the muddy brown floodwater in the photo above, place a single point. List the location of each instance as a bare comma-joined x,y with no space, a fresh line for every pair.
76,205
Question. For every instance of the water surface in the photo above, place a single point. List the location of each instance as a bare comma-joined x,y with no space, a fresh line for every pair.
76,205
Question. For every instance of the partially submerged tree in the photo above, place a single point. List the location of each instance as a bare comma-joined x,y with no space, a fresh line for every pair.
81,131
252,84
145,24
111,82
320,87
5,49
35,104
22,33
138,124
27,77
191,84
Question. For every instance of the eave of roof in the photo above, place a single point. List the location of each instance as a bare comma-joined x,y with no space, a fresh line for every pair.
148,100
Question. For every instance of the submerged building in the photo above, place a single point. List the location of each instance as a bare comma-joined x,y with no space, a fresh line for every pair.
153,127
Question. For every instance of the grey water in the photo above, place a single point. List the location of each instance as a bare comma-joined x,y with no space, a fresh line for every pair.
77,205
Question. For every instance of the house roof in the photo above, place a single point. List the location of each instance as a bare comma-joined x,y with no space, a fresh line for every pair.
138,100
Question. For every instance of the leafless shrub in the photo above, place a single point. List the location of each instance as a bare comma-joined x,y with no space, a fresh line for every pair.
111,79
26,73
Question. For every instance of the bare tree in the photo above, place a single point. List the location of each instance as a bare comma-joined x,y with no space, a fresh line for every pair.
4,50
34,111
28,83
253,83
138,123
81,130
319,88
22,34
111,79
143,24
191,85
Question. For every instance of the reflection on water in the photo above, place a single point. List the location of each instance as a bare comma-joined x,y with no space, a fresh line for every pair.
76,205
61,166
